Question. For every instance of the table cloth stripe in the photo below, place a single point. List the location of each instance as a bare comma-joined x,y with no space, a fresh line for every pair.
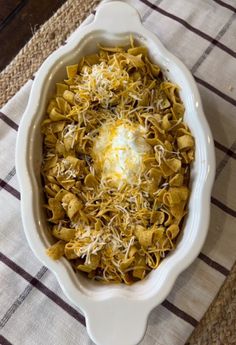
215,90
35,281
8,121
4,341
198,32
20,299
224,4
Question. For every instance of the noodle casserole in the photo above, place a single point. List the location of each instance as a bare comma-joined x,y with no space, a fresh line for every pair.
116,164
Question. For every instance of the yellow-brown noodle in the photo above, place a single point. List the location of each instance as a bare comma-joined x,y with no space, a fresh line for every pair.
115,230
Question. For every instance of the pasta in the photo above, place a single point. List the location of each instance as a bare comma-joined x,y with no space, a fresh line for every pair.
116,165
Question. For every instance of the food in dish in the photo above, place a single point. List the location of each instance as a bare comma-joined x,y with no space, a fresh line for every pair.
116,165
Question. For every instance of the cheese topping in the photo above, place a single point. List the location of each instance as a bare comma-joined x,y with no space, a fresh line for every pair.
101,81
119,150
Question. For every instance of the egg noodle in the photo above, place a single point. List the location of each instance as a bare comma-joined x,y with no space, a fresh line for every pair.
116,165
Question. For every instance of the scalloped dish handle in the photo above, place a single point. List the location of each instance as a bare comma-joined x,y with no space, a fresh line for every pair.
126,16
115,325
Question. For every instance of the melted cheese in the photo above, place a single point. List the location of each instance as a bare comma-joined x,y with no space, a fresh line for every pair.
119,151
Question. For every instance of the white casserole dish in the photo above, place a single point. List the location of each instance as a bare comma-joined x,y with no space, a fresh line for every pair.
115,314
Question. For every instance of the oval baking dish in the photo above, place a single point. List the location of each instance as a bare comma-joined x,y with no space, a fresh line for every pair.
115,314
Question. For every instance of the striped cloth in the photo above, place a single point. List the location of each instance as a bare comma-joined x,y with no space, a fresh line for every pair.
34,311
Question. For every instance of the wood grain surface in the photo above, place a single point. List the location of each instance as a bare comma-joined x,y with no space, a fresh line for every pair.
19,19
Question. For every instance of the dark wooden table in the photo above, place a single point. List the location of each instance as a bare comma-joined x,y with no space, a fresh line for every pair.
19,19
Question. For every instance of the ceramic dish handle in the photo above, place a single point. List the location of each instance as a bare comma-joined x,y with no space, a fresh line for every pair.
117,322
126,17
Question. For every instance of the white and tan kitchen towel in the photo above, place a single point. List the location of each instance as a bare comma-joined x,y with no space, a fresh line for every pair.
33,309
